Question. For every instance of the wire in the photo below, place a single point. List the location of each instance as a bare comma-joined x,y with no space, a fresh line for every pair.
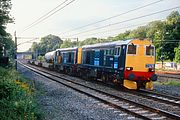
115,29
114,16
127,20
120,28
27,41
48,16
27,37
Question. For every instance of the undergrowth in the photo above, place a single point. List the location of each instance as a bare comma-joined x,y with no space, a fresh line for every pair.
17,97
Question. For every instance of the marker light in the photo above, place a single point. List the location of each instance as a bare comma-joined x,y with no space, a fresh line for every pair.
129,68
151,69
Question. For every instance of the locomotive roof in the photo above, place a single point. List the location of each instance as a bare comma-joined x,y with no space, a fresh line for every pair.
108,44
67,49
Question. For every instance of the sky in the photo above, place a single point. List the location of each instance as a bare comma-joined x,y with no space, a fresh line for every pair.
80,13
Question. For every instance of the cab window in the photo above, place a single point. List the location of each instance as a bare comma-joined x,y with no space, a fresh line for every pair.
131,49
150,50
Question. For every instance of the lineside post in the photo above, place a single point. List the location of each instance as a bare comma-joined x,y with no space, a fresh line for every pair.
15,52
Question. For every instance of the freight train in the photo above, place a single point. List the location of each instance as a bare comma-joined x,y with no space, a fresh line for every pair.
129,63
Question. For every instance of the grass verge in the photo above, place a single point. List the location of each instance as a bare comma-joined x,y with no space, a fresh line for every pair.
172,83
17,97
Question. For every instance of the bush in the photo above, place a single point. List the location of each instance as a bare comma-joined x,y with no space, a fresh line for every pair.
17,97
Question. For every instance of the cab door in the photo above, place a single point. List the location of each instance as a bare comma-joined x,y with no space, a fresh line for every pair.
119,60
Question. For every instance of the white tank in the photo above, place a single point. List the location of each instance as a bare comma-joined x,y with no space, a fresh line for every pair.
49,57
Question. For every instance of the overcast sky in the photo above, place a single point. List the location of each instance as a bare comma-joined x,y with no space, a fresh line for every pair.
80,13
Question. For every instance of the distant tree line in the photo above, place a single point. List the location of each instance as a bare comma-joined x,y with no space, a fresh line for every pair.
164,34
46,44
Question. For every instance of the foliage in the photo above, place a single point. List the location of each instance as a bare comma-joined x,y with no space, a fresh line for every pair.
177,54
5,18
47,44
174,83
5,6
93,40
68,43
154,27
171,33
34,47
41,58
88,41
16,96
122,36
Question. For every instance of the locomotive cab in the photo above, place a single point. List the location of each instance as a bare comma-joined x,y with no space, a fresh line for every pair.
140,65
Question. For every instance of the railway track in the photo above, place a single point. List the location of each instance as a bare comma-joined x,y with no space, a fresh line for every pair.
169,76
131,107
161,97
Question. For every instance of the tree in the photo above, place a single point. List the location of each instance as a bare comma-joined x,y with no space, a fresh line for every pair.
93,40
177,54
171,35
47,44
5,18
153,28
140,32
34,47
5,6
122,36
66,44
8,44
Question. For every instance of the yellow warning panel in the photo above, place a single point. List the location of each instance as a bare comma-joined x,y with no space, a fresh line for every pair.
130,84
149,85
79,56
59,59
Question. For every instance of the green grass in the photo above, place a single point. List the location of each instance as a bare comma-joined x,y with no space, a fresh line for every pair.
17,98
172,83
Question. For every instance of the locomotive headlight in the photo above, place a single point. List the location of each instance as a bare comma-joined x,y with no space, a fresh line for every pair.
129,68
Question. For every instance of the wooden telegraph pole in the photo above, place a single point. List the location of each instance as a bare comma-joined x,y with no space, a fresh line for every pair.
15,52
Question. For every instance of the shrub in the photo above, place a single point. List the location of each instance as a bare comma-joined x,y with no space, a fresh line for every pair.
17,97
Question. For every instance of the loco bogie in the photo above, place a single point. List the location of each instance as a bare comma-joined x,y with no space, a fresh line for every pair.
38,63
31,62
